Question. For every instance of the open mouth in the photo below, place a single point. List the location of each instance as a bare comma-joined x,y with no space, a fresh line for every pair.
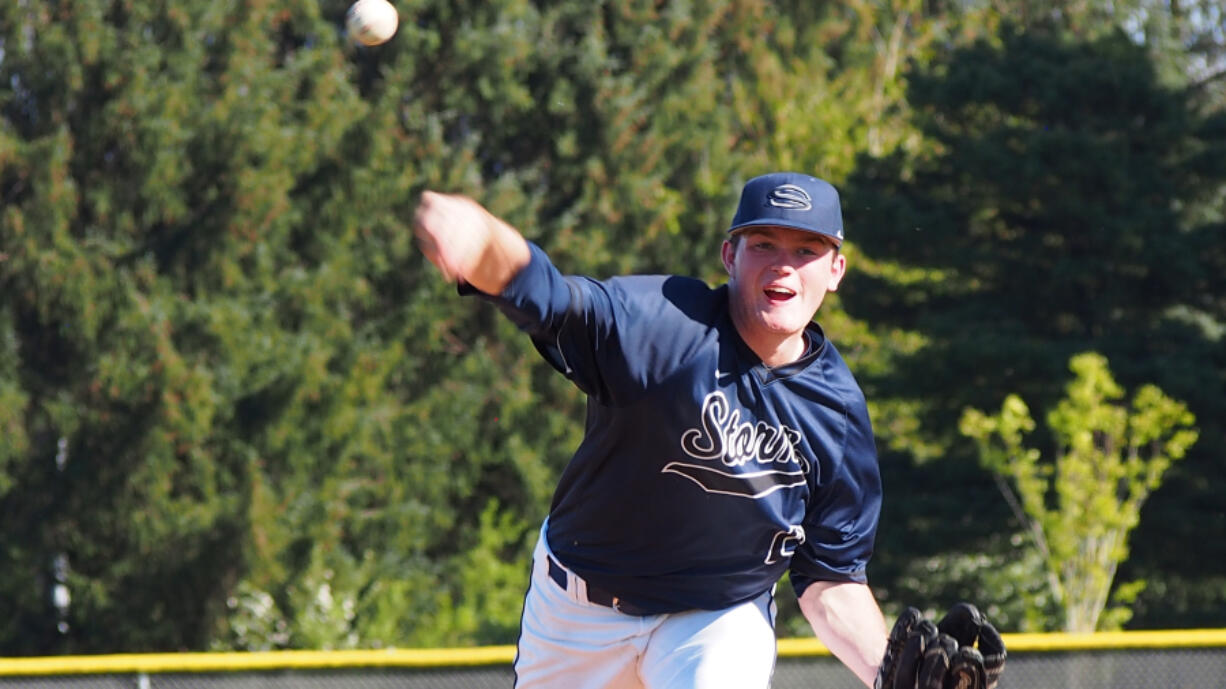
778,294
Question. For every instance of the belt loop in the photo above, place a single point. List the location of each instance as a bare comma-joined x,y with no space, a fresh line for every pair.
564,578
580,586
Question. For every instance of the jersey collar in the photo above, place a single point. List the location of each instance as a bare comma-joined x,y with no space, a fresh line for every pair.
815,342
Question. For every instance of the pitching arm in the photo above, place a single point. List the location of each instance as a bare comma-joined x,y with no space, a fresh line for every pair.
467,243
846,618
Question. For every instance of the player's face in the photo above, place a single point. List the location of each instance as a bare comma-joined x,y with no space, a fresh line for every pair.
778,278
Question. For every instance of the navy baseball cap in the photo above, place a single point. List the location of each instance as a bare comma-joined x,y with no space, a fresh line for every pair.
792,200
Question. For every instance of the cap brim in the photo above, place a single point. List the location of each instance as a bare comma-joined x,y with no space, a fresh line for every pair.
786,224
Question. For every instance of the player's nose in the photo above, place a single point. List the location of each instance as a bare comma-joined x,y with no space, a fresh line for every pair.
782,265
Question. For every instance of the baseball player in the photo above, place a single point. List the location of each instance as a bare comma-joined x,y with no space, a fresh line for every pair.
726,443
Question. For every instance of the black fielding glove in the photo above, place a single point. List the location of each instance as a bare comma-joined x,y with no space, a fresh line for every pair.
992,648
962,651
923,636
893,648
935,665
966,670
965,623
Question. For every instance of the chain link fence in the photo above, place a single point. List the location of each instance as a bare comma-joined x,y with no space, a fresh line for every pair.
1155,660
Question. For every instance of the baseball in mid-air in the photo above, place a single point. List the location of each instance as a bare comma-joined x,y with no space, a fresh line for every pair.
371,22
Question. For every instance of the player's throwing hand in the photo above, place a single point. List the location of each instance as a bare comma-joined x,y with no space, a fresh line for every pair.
466,243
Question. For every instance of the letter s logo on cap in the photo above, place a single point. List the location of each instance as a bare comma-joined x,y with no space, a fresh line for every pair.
790,197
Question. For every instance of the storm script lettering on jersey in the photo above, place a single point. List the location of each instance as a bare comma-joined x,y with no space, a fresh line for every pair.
726,444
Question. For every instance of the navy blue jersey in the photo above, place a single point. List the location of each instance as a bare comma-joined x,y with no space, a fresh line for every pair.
703,475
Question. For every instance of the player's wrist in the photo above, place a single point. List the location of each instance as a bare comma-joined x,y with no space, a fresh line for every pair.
505,253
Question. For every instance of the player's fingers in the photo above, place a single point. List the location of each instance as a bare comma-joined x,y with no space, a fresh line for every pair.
429,249
443,226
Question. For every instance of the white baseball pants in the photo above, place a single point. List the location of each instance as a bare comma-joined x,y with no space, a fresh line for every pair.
568,642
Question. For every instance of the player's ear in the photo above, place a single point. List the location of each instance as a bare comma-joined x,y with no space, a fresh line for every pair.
728,254
838,268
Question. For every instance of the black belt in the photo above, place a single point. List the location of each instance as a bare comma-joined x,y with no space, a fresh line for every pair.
594,595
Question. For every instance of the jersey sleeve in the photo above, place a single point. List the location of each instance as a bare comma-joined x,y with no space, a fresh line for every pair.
841,522
579,324
538,298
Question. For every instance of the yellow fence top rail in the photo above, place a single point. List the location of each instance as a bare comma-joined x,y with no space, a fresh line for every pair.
130,663
1055,642
255,661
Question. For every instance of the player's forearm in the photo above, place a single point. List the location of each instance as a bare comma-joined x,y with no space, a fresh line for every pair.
846,618
468,243
504,256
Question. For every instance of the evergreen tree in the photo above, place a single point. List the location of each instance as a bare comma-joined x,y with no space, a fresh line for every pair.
237,410
167,308
1066,206
243,411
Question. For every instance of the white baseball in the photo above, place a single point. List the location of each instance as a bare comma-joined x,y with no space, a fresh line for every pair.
371,22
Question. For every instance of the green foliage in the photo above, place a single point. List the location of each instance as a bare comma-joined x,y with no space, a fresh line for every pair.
1062,202
192,300
1008,582
280,429
1081,506
490,583
277,428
